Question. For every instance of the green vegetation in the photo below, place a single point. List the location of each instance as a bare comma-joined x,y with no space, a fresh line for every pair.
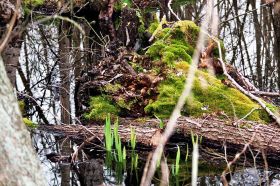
187,153
211,96
29,123
112,88
174,44
171,57
108,134
175,168
177,163
21,105
173,48
132,138
28,5
118,145
100,106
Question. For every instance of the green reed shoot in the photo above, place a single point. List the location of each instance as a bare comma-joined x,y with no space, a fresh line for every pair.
108,134
124,153
195,155
133,138
177,163
118,146
116,127
161,124
195,138
187,153
173,170
135,163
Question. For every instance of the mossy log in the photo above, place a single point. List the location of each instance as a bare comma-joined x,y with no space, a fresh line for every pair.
215,133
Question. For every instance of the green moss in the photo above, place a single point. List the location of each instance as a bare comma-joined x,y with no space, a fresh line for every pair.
154,50
174,44
216,49
21,105
28,5
168,58
120,4
213,97
153,26
182,66
122,103
141,28
29,123
188,29
33,3
137,67
170,53
100,106
179,52
112,88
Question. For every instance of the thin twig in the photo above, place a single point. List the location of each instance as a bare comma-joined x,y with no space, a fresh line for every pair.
237,156
62,18
171,10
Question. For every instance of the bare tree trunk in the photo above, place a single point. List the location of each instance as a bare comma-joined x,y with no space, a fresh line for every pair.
258,36
64,69
19,164
11,56
76,41
276,25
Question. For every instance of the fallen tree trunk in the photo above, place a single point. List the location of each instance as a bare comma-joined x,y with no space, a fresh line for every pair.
215,134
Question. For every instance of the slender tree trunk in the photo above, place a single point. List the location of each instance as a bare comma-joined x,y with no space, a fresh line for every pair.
18,164
76,40
258,36
11,56
276,25
64,69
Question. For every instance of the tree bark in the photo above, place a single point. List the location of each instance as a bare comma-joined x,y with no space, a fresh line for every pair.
65,71
215,133
19,164
258,35
276,25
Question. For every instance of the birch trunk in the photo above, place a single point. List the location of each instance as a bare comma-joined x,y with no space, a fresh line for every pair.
18,163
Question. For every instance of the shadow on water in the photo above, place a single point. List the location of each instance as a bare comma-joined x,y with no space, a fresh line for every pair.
96,167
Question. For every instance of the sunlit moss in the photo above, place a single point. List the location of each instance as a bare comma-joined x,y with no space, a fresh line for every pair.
214,98
33,2
137,67
169,53
174,44
182,66
112,88
29,123
100,106
28,5
122,103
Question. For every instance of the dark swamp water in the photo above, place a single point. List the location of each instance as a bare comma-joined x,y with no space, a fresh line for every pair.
94,166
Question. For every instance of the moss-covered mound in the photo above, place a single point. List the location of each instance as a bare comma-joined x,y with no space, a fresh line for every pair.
175,43
170,58
174,46
209,95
